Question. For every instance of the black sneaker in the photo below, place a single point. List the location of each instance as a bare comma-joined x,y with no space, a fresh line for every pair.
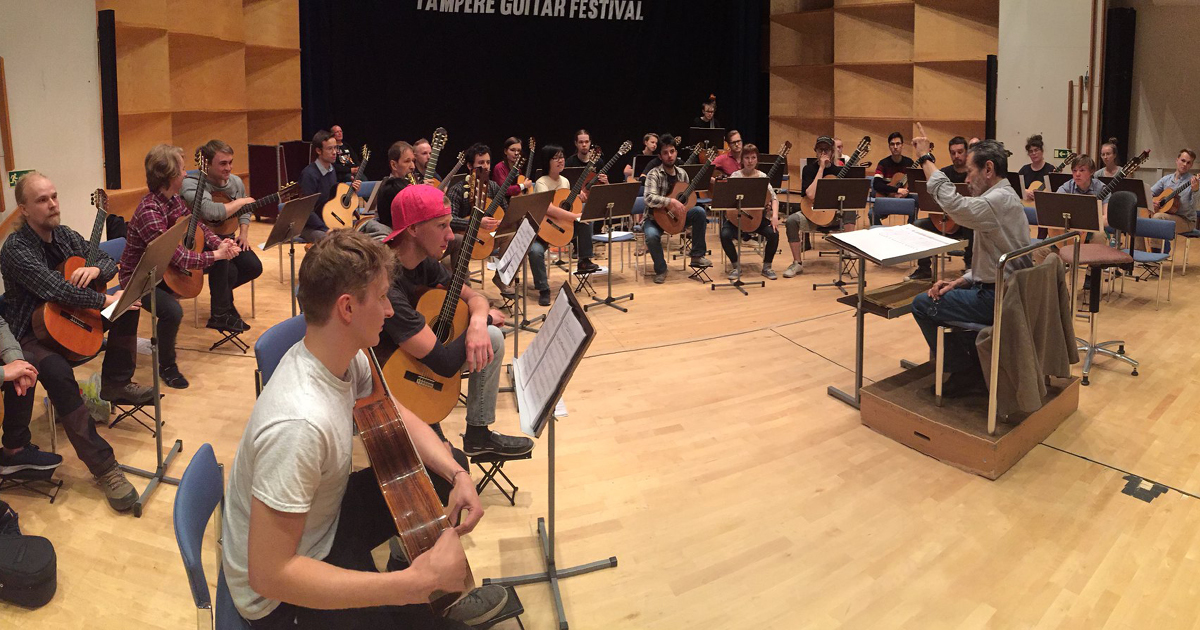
921,273
127,392
227,322
240,319
171,377
544,297
29,458
964,384
479,606
497,444
587,266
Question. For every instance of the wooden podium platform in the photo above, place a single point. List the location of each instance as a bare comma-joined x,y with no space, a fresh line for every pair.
901,407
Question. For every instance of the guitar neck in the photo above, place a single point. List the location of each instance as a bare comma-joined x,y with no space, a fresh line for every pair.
851,163
431,165
604,169
462,269
700,175
508,181
446,182
270,199
189,239
576,187
94,241
362,167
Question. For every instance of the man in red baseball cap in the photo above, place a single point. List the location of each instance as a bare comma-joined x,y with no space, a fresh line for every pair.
421,233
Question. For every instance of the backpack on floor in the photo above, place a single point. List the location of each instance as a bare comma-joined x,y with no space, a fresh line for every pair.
28,566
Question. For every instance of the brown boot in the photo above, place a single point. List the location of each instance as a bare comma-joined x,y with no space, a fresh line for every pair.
120,493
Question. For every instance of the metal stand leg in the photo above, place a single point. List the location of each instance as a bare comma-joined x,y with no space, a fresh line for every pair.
546,535
737,264
840,283
292,258
610,300
855,400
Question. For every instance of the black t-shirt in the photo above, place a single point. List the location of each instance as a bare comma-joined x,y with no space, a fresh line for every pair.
406,290
388,189
574,161
808,174
955,176
343,164
1028,175
711,124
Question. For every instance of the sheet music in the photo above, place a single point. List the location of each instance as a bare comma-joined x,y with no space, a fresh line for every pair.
541,367
891,243
510,262
108,310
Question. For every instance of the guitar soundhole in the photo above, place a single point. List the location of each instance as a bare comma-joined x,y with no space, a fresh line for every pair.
423,381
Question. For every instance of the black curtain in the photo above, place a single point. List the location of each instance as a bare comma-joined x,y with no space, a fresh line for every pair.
388,70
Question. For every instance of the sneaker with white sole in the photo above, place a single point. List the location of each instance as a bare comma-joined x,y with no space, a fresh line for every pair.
793,270
28,458
734,274
768,273
479,606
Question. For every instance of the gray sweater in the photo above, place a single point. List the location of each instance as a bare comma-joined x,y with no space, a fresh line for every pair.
997,217
10,350
211,210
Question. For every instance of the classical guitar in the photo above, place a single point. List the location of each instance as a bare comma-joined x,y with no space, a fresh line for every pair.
671,221
485,242
528,176
558,232
1125,171
443,184
75,333
1166,198
428,394
697,151
229,225
594,177
407,489
1038,185
826,218
435,150
751,218
341,211
187,283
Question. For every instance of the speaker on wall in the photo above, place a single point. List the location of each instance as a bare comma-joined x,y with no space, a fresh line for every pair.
989,117
106,37
1118,76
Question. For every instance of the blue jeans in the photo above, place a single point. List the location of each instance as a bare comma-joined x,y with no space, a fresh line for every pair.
537,254
973,304
483,386
697,219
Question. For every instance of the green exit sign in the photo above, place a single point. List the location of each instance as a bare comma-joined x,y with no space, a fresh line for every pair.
1061,154
13,176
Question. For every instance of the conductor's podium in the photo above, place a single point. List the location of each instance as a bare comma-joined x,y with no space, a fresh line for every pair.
902,408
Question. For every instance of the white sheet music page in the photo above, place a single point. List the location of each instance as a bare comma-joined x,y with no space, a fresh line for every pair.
888,244
542,366
510,262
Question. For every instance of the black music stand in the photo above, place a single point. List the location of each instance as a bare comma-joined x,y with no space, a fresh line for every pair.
533,421
915,174
572,173
639,164
693,170
1069,211
841,195
1135,186
733,194
606,202
1014,180
712,137
145,277
532,206
288,226
1057,180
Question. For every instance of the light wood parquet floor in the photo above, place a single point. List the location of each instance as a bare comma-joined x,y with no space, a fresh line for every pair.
702,450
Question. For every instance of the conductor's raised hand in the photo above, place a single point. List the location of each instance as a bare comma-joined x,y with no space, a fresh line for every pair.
921,142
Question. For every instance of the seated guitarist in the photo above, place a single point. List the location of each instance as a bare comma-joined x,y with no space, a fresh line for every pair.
1184,212
422,153
225,275
798,226
768,228
28,261
513,147
659,182
479,157
552,161
956,172
422,232
730,162
299,525
890,166
401,161
155,214
1037,169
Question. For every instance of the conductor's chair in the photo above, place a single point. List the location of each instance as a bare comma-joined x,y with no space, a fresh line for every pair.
892,207
201,492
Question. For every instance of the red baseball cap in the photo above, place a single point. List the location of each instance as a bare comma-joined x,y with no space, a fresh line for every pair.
415,204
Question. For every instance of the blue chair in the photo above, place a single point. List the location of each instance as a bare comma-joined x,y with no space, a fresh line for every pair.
115,248
201,491
272,345
365,188
1187,246
1152,262
892,206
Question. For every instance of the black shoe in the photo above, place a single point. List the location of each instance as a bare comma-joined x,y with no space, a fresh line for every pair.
171,377
587,266
29,458
544,297
480,605
497,444
921,273
964,384
227,322
127,392
239,317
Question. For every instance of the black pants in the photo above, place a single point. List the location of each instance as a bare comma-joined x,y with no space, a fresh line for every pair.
963,233
364,523
226,275
57,377
769,233
120,356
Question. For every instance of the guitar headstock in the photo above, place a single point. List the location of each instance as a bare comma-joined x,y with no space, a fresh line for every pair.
201,164
532,145
289,191
100,200
1137,162
593,156
462,157
439,138
864,146
710,154
366,153
475,188
698,149
785,149
625,147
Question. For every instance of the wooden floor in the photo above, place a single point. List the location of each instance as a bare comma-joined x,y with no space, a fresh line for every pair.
702,450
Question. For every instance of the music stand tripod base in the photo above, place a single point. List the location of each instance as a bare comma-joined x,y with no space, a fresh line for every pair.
609,201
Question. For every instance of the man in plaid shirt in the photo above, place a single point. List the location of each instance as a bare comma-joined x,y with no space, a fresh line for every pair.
157,212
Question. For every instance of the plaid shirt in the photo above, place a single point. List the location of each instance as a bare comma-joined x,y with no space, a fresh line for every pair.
658,186
29,280
155,214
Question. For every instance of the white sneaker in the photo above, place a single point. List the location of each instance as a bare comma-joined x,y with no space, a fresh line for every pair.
793,270
734,274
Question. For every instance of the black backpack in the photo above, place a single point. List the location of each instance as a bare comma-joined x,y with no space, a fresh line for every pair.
28,566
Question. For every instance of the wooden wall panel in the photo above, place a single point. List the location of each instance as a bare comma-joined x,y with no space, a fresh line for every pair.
273,127
143,82
802,92
272,23
956,30
873,91
950,91
272,78
881,35
206,74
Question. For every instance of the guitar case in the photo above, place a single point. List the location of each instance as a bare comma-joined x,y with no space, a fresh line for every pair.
28,565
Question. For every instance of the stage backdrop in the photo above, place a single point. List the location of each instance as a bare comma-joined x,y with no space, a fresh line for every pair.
388,70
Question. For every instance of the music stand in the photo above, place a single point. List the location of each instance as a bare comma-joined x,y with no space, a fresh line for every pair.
572,173
1057,180
640,162
928,204
518,235
145,277
1135,186
734,194
532,206
766,161
854,172
1068,211
1014,180
609,201
710,136
841,194
693,170
915,174
292,217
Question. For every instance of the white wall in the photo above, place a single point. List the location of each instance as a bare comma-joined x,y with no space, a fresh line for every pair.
54,98
1166,80
1043,45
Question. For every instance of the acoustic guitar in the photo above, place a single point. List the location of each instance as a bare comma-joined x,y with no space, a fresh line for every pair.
556,231
341,211
443,184
752,218
75,333
407,489
1166,198
435,150
826,218
1038,185
485,242
671,221
1125,171
428,394
697,151
187,283
528,176
229,225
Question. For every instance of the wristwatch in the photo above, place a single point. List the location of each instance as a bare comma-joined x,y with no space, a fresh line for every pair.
928,157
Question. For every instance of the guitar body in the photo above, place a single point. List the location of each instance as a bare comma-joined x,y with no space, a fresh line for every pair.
1034,187
819,218
428,394
432,181
341,211
552,230
227,226
1167,197
750,220
899,180
943,223
187,283
673,222
75,333
485,242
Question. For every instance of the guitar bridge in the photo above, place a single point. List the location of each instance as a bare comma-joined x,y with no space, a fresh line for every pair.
557,227
71,317
423,381
339,219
